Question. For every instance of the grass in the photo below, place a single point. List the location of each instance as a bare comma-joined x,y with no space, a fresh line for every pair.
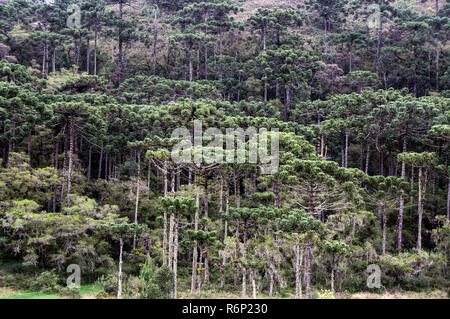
86,292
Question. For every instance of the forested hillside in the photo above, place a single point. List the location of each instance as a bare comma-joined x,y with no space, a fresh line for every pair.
355,92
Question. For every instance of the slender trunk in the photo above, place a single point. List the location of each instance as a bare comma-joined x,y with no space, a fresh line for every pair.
155,39
95,50
171,232
298,271
448,200
54,61
308,270
120,55
287,103
264,38
175,260
71,151
195,250
252,275
100,163
88,54
138,185
206,48
63,186
89,164
165,237
325,35
422,183
119,290
277,191
379,44
402,203
190,66
384,221
149,170
333,261
271,283
351,59
346,148
244,270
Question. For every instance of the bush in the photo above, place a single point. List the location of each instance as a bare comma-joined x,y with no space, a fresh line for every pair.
109,283
46,282
139,288
102,295
325,294
70,293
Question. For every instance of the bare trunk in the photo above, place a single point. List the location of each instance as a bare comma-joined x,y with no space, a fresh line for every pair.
72,145
402,203
119,289
287,103
384,221
175,260
298,270
195,250
100,163
138,185
95,50
155,39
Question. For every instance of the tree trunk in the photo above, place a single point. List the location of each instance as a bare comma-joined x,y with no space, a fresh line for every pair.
54,61
351,59
88,54
346,148
384,221
120,55
190,66
155,39
333,261
138,185
308,274
89,164
171,232
206,48
420,211
95,50
149,171
71,150
252,275
287,103
448,200
175,260
325,35
277,191
402,204
244,269
264,38
100,163
195,250
119,290
298,265
379,44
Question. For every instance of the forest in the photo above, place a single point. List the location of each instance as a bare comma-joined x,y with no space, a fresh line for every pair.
351,96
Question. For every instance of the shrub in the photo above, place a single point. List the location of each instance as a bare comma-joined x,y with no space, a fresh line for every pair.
70,293
325,294
46,282
109,283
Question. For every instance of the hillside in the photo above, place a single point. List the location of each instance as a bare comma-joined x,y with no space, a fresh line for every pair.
209,149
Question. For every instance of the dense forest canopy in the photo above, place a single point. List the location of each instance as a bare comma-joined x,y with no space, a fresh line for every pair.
91,92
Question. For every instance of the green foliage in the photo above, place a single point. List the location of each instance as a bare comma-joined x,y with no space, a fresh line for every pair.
46,282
